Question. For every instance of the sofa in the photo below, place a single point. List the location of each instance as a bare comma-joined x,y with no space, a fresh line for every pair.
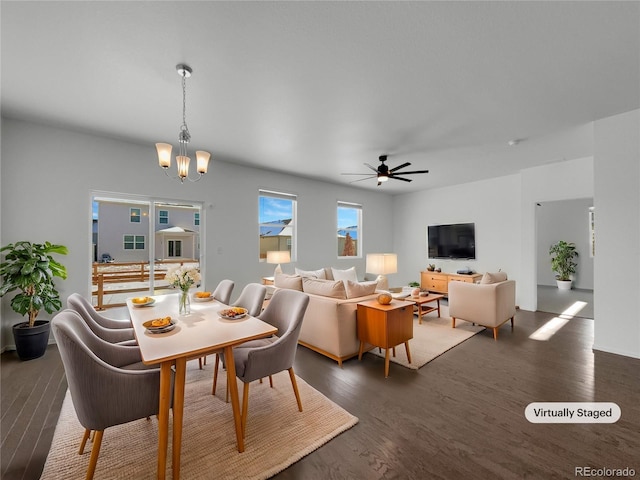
490,303
329,324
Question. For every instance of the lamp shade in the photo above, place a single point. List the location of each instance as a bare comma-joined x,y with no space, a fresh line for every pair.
202,159
278,256
164,154
382,263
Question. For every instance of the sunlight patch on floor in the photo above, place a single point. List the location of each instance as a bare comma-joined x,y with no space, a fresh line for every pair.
550,328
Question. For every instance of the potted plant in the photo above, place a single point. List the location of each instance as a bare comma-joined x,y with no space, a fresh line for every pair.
562,262
30,268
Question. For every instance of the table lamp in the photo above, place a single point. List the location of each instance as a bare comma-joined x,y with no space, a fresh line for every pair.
382,264
278,256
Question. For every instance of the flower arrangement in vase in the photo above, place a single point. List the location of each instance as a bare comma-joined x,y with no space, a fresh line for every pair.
183,277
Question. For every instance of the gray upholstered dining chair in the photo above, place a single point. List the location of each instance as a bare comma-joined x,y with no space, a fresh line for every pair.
222,293
251,298
108,384
269,356
110,330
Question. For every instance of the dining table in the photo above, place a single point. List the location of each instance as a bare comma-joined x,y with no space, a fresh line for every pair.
201,332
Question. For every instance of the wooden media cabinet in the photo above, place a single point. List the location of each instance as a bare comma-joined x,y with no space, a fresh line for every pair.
439,281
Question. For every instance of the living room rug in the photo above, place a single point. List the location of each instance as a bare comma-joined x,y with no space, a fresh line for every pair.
277,434
431,339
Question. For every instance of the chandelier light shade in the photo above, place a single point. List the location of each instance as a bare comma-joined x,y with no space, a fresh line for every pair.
184,137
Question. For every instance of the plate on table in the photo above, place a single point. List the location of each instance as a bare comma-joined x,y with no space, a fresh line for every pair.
160,325
202,297
142,301
233,313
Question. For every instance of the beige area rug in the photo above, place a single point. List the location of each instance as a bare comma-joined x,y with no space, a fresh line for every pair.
277,434
431,339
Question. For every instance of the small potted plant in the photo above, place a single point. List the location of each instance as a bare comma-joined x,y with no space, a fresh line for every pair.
562,263
30,268
431,267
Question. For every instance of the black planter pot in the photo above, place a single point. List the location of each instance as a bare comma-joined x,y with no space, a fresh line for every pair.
31,342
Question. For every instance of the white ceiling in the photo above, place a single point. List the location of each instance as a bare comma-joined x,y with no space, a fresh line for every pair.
319,88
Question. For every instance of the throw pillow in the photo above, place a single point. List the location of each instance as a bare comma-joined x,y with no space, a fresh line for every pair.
311,273
360,289
348,274
326,288
292,282
489,278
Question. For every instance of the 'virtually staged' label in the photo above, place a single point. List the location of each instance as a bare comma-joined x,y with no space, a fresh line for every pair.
572,412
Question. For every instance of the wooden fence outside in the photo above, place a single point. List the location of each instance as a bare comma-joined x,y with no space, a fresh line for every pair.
131,273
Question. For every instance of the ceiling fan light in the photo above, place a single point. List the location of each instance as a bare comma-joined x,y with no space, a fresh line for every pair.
383,178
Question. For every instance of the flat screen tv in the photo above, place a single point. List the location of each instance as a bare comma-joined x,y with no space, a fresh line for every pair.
452,241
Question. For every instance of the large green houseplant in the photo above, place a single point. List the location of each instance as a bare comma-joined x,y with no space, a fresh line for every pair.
30,269
562,262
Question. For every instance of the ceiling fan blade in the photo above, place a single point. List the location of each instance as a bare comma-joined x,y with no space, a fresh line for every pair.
399,167
365,178
416,171
374,169
357,174
400,178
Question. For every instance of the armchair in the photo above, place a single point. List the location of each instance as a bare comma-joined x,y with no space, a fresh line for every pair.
488,304
110,330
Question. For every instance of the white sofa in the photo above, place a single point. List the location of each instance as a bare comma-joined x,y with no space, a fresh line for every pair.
329,325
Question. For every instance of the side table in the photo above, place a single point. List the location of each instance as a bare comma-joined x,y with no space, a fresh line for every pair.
385,326
422,304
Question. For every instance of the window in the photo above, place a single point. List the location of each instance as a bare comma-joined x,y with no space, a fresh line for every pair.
134,242
163,217
349,225
196,218
134,215
277,222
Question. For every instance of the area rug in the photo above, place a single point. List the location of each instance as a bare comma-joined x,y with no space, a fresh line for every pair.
277,434
431,339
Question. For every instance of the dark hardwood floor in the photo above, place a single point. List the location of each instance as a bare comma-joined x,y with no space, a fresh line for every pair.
459,417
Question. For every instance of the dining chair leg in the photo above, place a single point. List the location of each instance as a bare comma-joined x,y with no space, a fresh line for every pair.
95,451
292,376
85,437
270,381
226,398
245,408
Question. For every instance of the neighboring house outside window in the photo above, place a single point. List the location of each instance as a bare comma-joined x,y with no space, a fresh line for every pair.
134,242
277,223
196,218
163,217
134,215
349,225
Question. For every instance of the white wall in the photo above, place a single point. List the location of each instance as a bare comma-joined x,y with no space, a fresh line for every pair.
48,173
617,208
493,205
557,181
566,220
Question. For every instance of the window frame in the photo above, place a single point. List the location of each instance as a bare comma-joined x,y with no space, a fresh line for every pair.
163,217
358,228
135,218
137,242
291,242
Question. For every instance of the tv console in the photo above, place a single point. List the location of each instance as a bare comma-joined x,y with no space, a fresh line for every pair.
439,281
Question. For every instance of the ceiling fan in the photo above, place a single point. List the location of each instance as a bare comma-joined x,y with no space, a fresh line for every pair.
384,173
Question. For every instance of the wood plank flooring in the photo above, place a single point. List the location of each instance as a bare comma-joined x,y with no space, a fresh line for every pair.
459,417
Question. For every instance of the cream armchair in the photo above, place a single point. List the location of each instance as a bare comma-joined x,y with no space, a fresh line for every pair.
487,304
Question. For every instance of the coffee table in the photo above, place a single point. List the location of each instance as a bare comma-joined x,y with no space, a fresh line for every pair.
422,304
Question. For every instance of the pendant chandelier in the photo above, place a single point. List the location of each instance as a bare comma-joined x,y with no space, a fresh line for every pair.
184,137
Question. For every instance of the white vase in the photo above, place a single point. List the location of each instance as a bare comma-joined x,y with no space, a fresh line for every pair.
564,284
